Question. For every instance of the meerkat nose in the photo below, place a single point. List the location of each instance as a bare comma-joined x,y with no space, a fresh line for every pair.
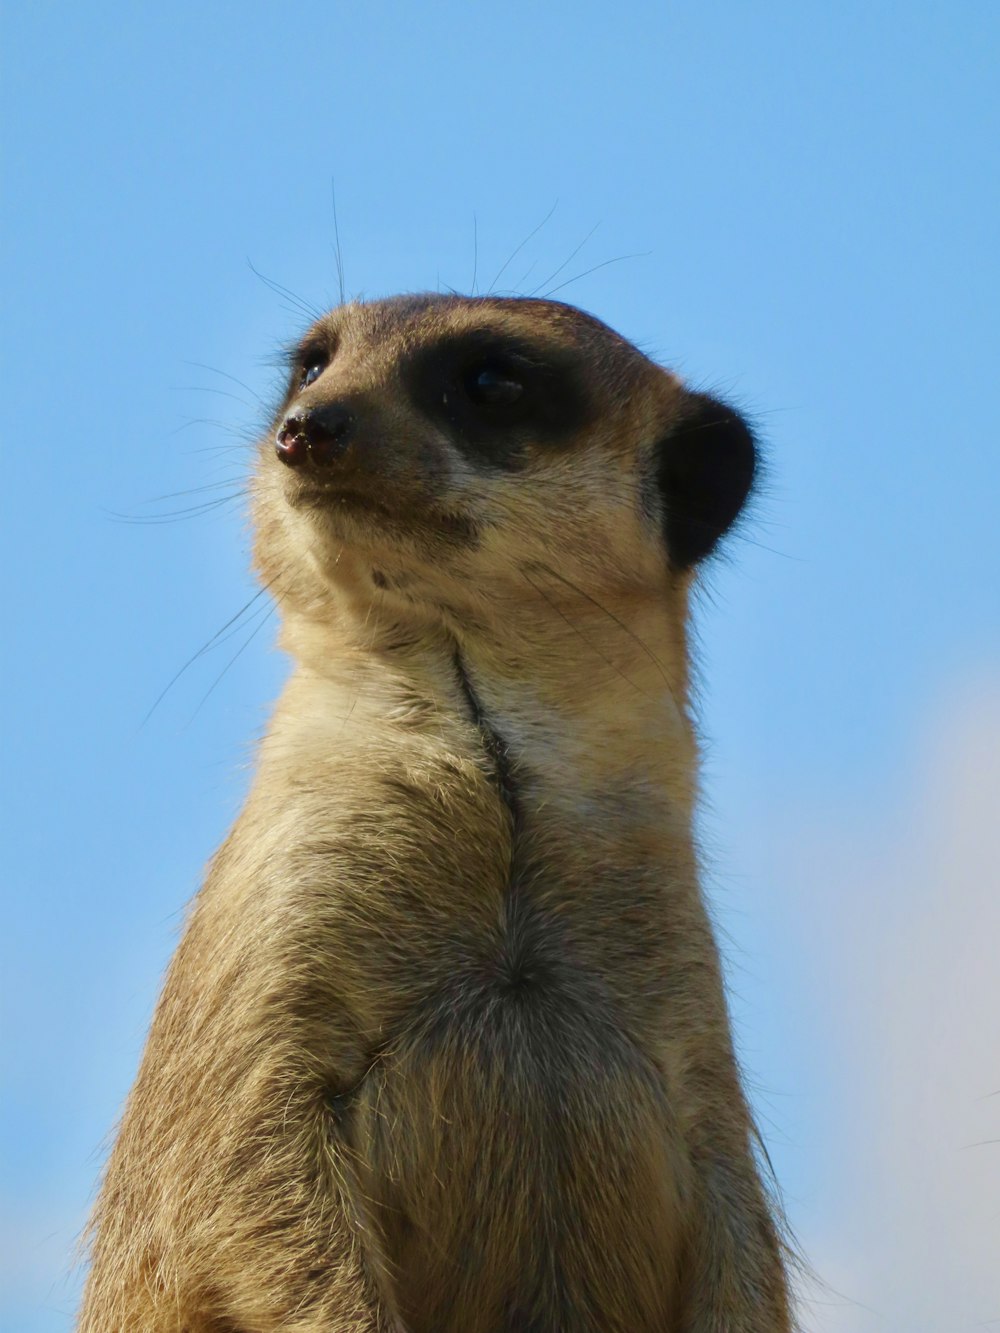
318,435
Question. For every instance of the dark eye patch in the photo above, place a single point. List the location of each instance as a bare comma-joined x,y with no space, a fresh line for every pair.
307,362
494,387
498,395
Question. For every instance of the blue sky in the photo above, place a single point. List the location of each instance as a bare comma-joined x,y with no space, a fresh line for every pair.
801,203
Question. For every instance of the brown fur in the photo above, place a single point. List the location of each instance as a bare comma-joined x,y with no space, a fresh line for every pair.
444,1048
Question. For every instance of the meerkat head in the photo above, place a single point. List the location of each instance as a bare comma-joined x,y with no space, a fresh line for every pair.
434,451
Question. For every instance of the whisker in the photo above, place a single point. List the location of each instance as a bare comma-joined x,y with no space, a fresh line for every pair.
338,253
173,515
208,388
214,370
231,633
246,433
194,490
531,266
611,616
475,252
517,249
639,254
763,546
232,661
577,630
241,448
206,647
303,306
569,258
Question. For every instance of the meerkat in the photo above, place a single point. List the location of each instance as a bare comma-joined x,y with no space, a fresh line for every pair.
444,1047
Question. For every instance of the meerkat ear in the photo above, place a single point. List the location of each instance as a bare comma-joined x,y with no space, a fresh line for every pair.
705,469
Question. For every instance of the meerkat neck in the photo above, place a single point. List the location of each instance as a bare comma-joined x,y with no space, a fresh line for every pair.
582,700
588,703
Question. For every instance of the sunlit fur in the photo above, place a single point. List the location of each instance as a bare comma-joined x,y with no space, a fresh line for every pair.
444,1047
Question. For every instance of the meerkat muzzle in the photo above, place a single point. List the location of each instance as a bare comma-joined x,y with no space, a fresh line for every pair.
317,435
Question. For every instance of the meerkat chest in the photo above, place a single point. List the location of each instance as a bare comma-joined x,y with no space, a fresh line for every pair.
515,955
427,867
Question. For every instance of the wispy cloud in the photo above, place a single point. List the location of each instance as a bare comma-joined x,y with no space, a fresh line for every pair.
906,1235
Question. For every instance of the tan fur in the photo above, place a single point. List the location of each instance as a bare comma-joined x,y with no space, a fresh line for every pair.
438,1054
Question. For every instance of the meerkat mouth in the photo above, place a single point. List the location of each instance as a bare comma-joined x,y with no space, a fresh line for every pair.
345,495
358,502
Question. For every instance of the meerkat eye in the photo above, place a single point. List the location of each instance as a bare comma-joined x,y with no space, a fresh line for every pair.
311,374
492,386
